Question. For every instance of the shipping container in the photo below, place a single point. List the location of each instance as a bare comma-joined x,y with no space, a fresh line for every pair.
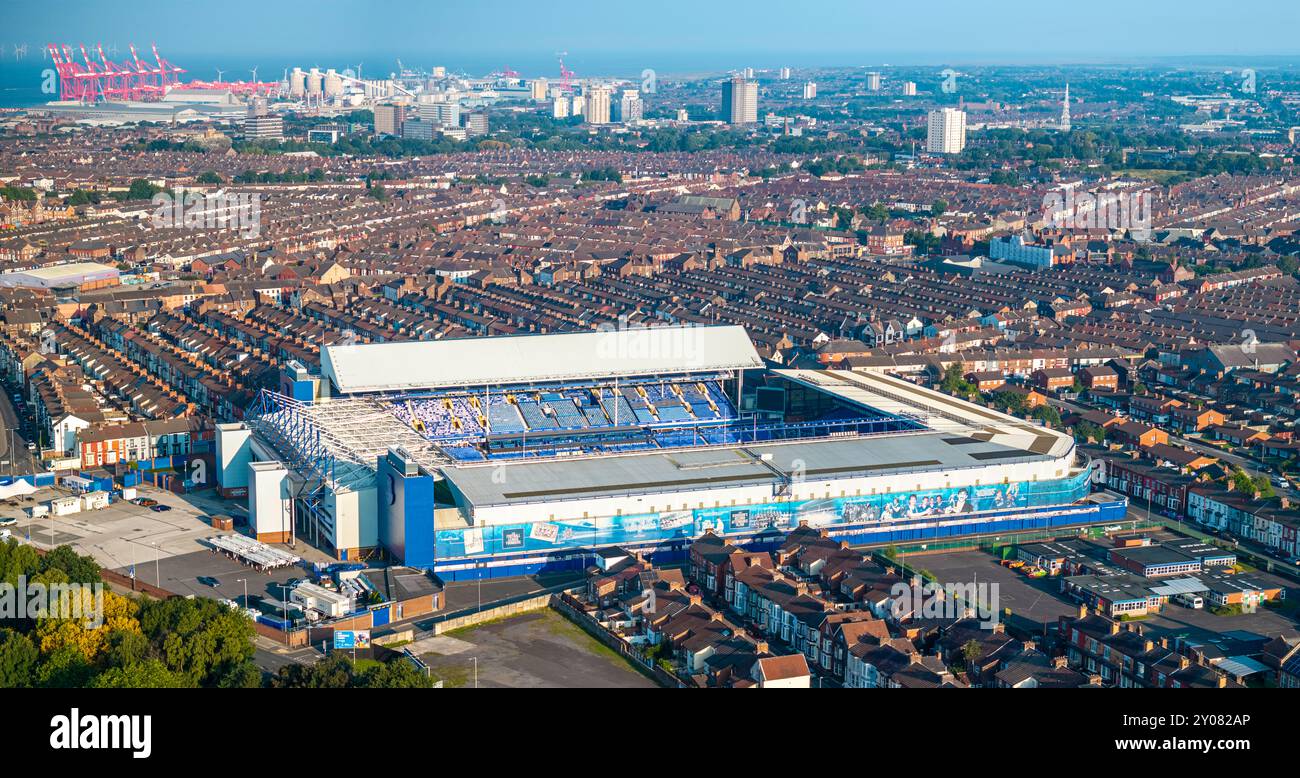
64,506
93,501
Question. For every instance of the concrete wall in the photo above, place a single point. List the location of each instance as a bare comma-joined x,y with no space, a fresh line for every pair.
356,518
269,500
234,452
488,614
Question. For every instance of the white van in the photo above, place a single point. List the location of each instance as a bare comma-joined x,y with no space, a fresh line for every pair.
1190,601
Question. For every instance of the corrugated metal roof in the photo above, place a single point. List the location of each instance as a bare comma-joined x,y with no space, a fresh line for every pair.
1241,666
653,472
521,359
1180,586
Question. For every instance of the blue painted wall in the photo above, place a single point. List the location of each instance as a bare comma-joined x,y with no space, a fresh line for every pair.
406,506
675,550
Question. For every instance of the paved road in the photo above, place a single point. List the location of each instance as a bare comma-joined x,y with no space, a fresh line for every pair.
22,460
1249,465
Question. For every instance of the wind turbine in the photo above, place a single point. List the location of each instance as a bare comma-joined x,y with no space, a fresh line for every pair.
219,72
20,51
253,70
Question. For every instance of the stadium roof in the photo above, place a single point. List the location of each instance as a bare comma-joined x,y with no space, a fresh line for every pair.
523,359
653,472
941,412
54,276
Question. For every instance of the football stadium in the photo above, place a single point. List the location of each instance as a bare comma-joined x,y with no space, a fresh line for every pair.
516,454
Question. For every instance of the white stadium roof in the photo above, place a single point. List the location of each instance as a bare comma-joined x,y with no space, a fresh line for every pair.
522,359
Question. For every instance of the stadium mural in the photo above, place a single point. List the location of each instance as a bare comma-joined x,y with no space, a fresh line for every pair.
977,502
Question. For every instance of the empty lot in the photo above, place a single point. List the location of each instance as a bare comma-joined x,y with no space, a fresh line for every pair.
541,649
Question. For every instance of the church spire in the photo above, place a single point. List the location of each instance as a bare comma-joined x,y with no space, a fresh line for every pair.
1065,109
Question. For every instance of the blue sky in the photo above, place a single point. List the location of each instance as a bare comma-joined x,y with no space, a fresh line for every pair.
768,32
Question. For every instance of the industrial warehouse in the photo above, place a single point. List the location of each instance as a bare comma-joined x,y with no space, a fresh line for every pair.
517,454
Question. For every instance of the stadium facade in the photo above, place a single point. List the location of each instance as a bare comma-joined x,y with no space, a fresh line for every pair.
505,455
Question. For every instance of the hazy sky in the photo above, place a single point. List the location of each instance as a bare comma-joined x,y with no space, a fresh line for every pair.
807,32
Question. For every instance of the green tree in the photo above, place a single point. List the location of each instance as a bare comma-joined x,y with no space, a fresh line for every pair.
1087,431
149,674
66,668
18,658
142,190
398,674
1246,484
1048,415
17,559
1012,402
955,383
200,638
78,568
241,676
332,672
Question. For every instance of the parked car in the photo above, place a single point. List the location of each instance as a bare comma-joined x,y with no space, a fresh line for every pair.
145,502
160,508
208,580
8,521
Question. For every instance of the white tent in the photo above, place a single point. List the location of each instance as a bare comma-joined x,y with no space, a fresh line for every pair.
19,488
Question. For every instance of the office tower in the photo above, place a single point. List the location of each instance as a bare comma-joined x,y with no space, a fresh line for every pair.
1065,110
873,82
560,107
476,124
945,131
630,106
260,125
389,118
597,105
749,73
418,129
445,113
740,101
684,116
538,89
785,74
909,88
810,90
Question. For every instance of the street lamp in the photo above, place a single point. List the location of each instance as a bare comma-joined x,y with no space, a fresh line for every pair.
245,582
157,574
